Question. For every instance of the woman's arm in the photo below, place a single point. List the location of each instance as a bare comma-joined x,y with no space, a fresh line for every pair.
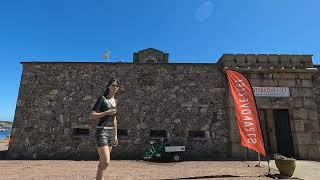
116,130
95,115
115,125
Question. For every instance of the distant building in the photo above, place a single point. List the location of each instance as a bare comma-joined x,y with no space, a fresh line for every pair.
188,104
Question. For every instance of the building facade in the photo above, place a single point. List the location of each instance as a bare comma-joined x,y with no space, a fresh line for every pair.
186,104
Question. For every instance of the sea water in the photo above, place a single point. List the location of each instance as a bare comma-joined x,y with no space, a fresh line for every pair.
4,134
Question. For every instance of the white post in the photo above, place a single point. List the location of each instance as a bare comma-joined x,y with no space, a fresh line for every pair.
259,165
245,156
107,55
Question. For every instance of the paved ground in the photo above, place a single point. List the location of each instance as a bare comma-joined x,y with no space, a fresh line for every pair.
61,170
309,170
4,144
82,170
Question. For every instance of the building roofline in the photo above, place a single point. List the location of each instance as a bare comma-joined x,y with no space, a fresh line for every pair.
269,54
135,63
230,54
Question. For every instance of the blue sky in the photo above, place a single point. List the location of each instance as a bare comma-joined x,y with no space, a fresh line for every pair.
191,31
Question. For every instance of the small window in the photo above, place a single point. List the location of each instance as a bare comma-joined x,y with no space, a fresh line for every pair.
122,132
80,131
158,133
197,134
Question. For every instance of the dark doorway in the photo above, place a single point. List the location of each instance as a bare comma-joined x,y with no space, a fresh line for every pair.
283,132
265,130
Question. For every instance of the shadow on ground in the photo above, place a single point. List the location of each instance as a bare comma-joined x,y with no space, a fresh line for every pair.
279,176
214,176
273,176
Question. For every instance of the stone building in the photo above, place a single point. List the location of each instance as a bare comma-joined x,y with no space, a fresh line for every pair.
187,104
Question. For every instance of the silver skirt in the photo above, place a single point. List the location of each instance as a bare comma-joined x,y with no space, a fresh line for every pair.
105,137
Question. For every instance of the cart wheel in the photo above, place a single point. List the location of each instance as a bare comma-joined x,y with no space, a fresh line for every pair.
176,157
147,158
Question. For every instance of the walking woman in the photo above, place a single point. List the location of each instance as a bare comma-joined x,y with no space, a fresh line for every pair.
104,112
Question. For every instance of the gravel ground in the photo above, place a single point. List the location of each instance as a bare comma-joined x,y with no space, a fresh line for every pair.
130,169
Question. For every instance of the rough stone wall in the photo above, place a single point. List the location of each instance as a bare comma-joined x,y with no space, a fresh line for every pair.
316,134
55,100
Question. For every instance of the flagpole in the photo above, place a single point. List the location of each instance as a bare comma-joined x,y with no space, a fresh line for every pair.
259,165
107,55
245,156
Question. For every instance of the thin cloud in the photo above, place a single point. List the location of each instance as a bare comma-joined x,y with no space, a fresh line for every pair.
204,11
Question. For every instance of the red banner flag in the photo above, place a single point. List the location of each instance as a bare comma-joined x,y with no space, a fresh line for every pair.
246,112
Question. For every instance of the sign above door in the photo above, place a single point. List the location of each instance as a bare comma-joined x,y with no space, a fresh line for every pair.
271,91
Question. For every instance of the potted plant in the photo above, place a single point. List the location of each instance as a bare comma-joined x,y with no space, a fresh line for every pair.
285,165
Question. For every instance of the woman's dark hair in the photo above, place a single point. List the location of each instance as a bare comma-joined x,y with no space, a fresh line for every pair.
106,92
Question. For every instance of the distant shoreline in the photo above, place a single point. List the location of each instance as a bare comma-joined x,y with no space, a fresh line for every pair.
5,124
5,130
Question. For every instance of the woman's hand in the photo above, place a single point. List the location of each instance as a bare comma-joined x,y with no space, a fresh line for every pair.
116,141
111,112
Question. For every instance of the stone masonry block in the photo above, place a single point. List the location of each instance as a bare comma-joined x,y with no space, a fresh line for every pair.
234,136
298,102
270,82
287,76
308,126
313,152
255,76
309,103
307,92
316,125
233,124
304,137
295,92
300,113
306,76
306,83
287,83
256,82
304,152
299,125
312,114
237,150
262,58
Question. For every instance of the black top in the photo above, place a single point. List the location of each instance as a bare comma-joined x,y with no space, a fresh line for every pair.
103,104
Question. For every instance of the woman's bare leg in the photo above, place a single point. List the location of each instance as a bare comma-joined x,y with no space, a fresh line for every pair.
104,160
